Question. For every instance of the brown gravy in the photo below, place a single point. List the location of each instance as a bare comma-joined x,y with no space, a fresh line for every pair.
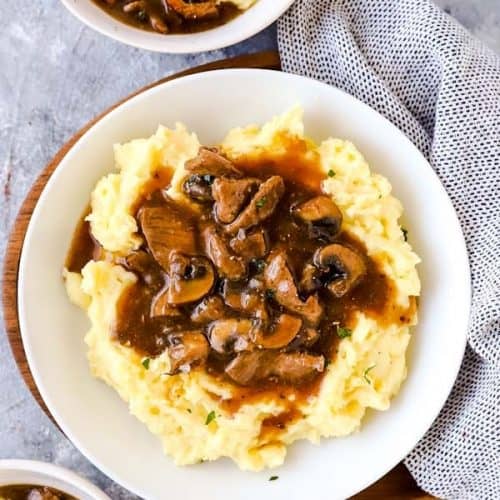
27,491
374,295
175,23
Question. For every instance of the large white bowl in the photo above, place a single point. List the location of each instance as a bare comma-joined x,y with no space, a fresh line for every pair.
255,19
93,416
16,472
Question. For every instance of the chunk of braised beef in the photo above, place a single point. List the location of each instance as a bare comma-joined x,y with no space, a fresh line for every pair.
280,283
230,196
228,265
260,207
296,368
167,227
199,10
251,245
210,161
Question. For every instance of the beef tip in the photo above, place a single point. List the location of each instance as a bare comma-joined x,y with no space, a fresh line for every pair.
280,281
199,187
210,162
195,11
260,207
322,216
191,278
228,336
143,264
186,350
167,227
230,196
249,245
228,265
249,368
209,309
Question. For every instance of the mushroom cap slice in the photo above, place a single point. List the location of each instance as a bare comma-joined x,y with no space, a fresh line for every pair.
342,268
285,330
322,215
190,278
231,335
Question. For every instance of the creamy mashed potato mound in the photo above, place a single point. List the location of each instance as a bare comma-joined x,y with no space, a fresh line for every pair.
369,367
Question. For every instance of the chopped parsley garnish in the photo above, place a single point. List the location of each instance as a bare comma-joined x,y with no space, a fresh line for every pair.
270,293
365,375
261,202
145,363
405,233
343,332
210,417
273,478
331,173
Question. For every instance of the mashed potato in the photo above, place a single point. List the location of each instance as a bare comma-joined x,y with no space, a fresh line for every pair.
369,367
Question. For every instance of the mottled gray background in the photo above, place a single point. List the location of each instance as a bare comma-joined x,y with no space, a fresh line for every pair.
55,75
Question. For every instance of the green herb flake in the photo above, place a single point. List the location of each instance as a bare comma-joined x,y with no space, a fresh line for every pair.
270,293
261,202
405,233
367,371
331,173
210,417
145,363
273,478
343,332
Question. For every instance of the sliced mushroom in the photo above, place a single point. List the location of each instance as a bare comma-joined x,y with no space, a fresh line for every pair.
257,366
167,227
249,245
191,278
230,196
210,162
228,265
232,335
206,9
280,281
341,268
285,330
246,300
209,309
307,337
199,187
322,217
161,307
186,350
260,207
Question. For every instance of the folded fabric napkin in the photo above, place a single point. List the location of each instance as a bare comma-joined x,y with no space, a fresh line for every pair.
441,87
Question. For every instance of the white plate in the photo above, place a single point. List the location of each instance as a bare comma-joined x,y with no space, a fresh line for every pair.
93,416
14,472
253,20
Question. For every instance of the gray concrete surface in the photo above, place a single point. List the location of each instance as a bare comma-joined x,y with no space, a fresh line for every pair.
55,75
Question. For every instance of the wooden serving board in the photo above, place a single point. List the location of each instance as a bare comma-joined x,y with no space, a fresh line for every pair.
397,484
